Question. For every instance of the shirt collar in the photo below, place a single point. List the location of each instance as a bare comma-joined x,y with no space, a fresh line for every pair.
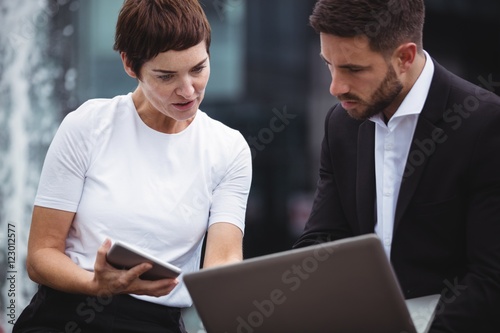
415,99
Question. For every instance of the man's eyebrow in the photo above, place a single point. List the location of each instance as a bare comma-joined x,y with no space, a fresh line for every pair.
353,66
173,72
345,66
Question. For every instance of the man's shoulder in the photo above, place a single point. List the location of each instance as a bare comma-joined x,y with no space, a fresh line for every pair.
484,92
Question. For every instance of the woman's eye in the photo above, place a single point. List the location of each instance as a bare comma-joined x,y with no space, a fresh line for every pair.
165,77
198,69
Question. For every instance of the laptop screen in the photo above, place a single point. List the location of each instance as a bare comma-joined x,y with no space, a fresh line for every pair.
342,286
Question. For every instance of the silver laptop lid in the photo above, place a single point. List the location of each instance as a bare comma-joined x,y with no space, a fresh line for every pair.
342,286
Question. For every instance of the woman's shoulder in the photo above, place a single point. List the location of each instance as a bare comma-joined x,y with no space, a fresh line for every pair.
217,134
92,118
217,127
102,106
96,112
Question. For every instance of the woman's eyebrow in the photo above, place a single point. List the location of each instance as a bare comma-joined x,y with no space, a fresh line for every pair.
172,72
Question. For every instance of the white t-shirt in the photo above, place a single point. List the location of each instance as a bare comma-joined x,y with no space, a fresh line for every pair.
159,192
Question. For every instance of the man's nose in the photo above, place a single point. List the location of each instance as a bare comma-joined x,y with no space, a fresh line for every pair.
338,86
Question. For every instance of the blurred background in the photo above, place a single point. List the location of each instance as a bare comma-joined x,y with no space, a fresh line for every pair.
267,81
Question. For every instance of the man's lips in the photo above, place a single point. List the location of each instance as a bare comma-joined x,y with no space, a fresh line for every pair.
349,104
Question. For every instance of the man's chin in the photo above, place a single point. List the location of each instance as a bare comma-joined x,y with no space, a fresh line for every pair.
357,115
362,115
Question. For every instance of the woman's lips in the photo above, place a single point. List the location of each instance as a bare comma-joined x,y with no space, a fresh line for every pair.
184,106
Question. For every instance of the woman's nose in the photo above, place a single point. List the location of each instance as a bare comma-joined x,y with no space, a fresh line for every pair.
185,88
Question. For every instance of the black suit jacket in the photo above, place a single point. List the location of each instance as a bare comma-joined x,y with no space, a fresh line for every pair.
446,236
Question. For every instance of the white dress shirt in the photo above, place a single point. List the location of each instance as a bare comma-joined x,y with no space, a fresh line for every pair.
392,144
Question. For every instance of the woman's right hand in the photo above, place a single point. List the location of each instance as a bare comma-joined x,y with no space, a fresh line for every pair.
110,280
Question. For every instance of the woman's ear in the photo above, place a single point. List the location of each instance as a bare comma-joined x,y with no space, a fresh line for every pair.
126,66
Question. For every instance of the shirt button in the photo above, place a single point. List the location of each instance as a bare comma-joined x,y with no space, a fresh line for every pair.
389,146
387,241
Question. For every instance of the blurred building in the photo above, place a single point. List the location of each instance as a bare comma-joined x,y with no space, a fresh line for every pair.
267,81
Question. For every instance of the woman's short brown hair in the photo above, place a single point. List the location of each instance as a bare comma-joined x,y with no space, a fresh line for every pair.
146,28
386,23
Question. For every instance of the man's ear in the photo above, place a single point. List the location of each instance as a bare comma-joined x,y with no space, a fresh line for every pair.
405,56
126,65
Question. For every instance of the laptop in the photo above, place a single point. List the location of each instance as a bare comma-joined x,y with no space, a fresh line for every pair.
345,286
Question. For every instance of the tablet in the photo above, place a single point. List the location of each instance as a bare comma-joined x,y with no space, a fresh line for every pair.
124,256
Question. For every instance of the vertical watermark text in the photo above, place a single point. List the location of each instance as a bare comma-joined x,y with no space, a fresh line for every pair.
11,273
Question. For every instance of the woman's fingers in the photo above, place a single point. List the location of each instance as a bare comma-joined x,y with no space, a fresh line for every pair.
119,281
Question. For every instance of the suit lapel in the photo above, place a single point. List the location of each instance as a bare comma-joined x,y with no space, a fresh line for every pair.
423,146
421,149
365,179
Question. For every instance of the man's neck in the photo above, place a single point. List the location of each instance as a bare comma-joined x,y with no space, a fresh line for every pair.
408,81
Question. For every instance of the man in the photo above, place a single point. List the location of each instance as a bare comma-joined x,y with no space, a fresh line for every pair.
412,153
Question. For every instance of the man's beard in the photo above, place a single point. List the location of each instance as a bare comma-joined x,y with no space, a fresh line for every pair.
385,94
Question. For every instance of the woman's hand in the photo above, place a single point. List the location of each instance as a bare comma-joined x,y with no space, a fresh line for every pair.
109,280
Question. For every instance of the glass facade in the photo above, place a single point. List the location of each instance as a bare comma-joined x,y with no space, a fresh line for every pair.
267,81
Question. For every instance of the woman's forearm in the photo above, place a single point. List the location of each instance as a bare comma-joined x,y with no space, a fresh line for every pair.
54,269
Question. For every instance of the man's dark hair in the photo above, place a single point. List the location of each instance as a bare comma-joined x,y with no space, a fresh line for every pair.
386,23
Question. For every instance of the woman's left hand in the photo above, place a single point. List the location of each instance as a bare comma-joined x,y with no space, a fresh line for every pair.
110,280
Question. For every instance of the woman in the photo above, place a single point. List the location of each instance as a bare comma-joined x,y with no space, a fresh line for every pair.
148,168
